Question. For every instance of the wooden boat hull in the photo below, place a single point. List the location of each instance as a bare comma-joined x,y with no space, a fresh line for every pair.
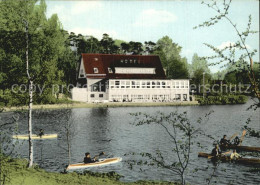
34,136
227,159
242,148
101,162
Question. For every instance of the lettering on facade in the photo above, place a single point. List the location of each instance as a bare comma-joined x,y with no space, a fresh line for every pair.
123,70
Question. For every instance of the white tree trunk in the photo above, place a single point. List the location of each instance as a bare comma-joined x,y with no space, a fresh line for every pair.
30,124
30,83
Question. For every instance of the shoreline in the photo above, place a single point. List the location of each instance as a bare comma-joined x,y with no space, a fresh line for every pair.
102,105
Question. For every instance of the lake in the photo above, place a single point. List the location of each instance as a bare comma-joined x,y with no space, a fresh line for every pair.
108,129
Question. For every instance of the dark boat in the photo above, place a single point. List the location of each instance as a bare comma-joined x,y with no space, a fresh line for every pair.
241,148
242,160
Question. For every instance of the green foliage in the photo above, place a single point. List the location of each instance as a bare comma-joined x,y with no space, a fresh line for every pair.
228,55
222,99
169,52
198,64
181,134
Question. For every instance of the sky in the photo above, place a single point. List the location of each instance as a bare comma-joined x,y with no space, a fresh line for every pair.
150,20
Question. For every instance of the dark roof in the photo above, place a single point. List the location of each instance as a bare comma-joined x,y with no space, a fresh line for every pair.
105,61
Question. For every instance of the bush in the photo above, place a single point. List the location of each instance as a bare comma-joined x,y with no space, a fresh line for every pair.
222,99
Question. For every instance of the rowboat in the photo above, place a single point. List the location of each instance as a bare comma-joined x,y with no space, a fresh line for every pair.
242,160
242,148
101,162
34,136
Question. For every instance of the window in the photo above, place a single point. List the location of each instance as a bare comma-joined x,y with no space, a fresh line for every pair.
101,95
127,84
177,85
153,84
92,95
109,70
133,84
182,84
163,84
95,70
158,84
143,84
137,84
117,82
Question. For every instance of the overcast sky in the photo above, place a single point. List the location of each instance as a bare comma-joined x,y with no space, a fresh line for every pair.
151,20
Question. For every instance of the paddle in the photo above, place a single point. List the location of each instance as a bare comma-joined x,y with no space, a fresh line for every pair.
242,137
234,135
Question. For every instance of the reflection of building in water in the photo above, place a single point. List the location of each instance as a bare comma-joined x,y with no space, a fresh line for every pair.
126,78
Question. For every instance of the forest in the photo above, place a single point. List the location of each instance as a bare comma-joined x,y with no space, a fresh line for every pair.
54,55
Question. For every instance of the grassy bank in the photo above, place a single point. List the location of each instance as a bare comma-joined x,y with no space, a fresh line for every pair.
18,173
96,105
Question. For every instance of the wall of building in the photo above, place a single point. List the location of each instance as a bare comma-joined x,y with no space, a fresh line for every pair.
128,90
148,90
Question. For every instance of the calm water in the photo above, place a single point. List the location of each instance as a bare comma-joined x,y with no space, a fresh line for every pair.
109,130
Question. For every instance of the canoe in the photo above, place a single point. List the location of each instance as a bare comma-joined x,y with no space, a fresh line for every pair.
101,162
242,148
227,159
34,136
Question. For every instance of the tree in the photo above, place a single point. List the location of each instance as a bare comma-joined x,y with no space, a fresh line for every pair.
198,63
169,52
227,54
136,48
180,132
108,45
150,47
33,46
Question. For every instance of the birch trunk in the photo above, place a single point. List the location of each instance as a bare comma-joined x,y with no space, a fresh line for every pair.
30,83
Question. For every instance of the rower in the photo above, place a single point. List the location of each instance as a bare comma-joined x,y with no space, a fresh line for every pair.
224,141
234,155
236,141
87,158
216,152
41,132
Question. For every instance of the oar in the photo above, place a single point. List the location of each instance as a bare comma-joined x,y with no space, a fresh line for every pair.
101,153
242,137
234,135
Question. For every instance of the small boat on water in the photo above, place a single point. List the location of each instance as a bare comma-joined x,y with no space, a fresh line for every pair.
242,160
34,136
242,148
100,162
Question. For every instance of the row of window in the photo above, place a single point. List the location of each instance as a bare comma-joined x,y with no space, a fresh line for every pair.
148,97
95,70
148,84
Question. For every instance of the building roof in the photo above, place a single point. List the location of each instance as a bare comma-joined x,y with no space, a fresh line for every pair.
106,62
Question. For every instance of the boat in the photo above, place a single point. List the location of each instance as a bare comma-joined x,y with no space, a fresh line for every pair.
100,162
242,160
34,136
242,148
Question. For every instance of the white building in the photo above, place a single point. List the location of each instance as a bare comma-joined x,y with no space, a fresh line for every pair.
126,78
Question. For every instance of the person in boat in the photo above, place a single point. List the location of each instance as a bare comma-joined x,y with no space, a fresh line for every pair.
41,133
216,151
224,141
234,155
87,158
236,141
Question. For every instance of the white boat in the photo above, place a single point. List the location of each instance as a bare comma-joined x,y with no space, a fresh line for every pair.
34,136
100,162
